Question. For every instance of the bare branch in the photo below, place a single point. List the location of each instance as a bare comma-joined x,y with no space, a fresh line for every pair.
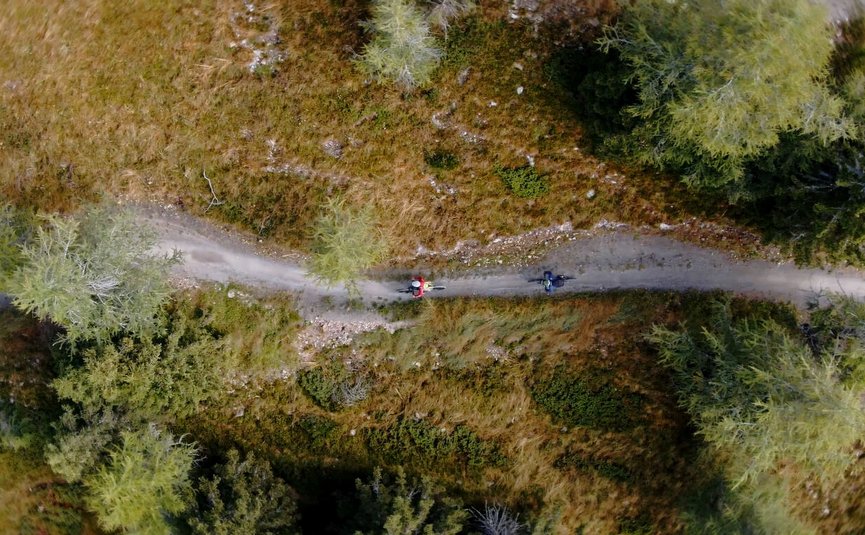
215,200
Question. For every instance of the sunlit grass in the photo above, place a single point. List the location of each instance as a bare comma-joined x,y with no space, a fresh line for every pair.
469,366
139,98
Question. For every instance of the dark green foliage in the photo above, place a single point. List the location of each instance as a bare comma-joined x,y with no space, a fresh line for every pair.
147,379
319,430
318,386
640,525
714,509
253,334
14,430
837,327
420,443
322,384
608,469
810,199
441,159
588,400
490,380
81,442
523,181
242,497
390,505
718,82
598,85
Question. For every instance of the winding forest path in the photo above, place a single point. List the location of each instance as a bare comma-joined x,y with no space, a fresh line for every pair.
603,262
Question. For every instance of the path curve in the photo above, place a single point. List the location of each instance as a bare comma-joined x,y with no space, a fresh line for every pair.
602,262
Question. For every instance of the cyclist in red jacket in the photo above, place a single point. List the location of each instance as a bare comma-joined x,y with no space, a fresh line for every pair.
418,285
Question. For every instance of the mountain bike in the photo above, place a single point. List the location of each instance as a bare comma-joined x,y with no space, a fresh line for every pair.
550,282
418,291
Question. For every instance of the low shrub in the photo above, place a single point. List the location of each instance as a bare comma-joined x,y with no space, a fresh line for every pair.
588,400
321,385
523,181
421,443
257,332
609,469
319,430
332,386
441,159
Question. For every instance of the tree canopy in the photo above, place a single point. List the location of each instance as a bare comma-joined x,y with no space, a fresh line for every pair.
144,482
764,399
345,242
402,49
242,496
718,81
94,274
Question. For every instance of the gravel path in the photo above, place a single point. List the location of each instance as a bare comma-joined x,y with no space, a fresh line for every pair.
843,10
603,262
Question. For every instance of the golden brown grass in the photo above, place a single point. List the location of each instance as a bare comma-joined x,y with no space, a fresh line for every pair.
137,98
529,339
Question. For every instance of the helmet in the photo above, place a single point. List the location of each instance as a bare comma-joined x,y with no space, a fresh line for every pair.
415,284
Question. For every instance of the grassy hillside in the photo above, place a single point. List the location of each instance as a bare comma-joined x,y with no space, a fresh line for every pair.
138,99
550,406
556,408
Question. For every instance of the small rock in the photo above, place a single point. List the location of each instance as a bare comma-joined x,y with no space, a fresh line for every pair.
493,104
518,66
591,194
520,90
239,412
232,294
353,432
439,120
664,226
463,76
332,148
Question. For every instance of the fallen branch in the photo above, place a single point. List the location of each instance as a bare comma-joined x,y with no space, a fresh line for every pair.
215,200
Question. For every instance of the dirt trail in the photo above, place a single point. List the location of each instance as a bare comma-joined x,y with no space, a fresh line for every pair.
843,10
603,262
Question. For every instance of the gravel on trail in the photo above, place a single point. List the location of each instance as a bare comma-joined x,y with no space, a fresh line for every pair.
606,261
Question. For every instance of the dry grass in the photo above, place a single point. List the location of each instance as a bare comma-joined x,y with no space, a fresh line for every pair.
137,98
473,364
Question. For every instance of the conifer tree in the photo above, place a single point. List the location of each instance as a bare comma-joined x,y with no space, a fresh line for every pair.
94,275
402,49
718,81
143,483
